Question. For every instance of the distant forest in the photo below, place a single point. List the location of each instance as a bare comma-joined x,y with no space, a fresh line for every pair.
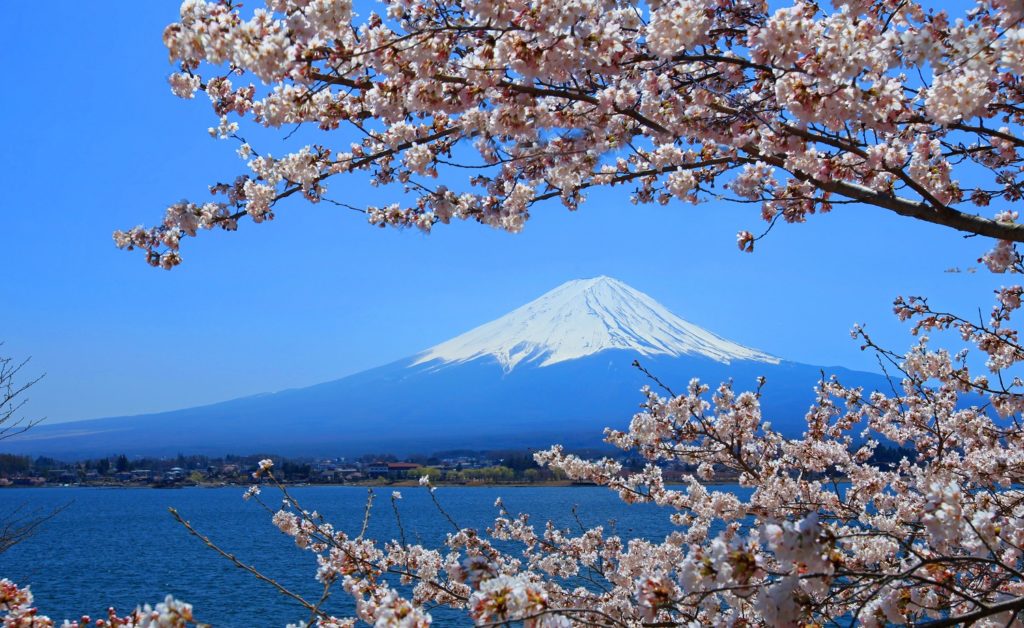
455,466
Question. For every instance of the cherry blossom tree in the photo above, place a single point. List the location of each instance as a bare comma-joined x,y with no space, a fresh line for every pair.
798,109
479,109
18,612
827,536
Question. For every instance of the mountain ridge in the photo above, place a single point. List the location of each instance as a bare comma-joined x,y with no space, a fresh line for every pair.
558,369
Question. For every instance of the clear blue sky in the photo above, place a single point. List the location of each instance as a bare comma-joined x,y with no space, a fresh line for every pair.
95,141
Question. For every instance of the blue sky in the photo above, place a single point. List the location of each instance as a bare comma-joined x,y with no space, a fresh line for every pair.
95,141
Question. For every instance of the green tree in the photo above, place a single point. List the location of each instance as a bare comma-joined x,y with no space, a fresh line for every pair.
431,472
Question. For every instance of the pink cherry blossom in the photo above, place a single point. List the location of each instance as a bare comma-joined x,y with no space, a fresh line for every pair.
796,107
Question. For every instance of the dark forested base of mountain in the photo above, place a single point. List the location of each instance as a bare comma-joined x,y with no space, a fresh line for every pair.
446,467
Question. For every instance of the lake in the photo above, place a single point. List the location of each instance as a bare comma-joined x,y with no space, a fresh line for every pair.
120,547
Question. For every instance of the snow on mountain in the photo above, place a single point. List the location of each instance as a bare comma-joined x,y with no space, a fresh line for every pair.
581,318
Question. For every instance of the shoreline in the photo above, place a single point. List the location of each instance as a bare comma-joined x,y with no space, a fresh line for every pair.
369,485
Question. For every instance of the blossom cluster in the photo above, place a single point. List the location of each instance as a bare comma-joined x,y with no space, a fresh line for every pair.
16,611
826,534
796,107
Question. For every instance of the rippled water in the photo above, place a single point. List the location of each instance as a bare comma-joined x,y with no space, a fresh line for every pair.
120,547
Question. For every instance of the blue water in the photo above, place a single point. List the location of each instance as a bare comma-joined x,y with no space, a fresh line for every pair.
121,547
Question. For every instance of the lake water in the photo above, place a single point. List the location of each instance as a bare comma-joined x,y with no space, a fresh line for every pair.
121,547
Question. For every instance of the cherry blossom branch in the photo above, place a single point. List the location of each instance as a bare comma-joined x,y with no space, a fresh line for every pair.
313,608
761,95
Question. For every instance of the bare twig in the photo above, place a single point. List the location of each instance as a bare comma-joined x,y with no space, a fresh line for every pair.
313,608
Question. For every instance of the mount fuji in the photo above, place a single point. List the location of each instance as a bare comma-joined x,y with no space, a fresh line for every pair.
582,318
558,369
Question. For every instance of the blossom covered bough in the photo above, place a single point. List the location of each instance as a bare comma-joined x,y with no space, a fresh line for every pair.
17,611
797,108
827,536
479,109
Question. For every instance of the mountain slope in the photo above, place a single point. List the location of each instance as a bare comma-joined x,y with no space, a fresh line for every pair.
585,317
555,370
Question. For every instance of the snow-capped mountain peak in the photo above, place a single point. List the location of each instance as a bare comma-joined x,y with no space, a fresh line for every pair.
581,318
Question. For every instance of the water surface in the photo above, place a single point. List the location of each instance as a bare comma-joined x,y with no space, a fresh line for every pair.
120,547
